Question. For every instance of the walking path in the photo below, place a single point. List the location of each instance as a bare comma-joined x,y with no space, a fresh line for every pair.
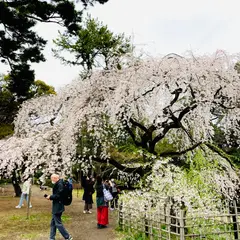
13,224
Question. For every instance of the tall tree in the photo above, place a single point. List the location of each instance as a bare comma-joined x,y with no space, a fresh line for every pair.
94,45
170,99
20,45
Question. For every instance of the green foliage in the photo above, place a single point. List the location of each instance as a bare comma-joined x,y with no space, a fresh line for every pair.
165,146
9,106
40,88
233,159
5,130
93,46
19,43
237,67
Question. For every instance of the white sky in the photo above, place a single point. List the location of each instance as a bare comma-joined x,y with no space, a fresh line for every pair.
158,27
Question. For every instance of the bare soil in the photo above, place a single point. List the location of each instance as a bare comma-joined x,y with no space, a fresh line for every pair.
15,226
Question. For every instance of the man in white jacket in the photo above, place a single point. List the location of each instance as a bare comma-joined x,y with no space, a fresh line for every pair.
25,193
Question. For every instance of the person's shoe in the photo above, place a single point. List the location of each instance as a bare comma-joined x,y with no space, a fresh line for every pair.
89,212
30,206
99,226
84,211
111,209
18,206
70,238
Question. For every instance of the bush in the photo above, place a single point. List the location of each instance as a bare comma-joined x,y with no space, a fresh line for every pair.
5,130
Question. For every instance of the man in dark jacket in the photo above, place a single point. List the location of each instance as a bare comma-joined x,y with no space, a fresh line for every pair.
57,208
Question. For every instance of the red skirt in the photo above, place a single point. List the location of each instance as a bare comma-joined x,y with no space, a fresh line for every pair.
102,215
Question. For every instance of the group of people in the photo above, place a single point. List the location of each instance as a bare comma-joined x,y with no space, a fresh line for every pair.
90,185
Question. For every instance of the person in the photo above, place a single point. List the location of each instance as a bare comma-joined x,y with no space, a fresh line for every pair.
57,208
87,184
41,186
70,180
114,192
102,206
25,193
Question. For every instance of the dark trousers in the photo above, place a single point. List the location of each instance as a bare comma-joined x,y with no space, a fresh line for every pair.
87,206
114,202
56,223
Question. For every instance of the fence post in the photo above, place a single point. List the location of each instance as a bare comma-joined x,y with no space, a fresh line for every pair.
233,210
168,220
29,199
182,232
145,220
120,216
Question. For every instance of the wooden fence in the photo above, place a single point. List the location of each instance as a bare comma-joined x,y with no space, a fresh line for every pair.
166,221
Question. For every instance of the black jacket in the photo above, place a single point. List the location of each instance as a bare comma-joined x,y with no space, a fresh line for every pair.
57,205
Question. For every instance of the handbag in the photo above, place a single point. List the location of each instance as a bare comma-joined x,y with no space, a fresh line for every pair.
107,195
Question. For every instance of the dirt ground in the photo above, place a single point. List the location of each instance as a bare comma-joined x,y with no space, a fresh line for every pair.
81,226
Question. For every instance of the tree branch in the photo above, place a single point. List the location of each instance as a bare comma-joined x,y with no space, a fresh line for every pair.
140,170
177,93
173,154
220,152
133,122
128,129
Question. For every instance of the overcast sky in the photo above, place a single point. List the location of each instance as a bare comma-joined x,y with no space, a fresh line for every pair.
158,27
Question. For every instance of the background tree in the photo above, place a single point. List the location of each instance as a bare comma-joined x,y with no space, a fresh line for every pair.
93,46
20,45
40,88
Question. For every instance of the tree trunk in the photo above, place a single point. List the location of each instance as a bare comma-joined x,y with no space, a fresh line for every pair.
16,186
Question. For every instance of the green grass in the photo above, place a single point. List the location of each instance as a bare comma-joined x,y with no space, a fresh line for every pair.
79,193
30,228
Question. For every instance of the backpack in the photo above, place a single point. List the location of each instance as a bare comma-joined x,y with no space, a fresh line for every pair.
67,193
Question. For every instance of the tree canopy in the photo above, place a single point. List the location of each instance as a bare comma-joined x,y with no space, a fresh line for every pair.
20,45
94,45
170,100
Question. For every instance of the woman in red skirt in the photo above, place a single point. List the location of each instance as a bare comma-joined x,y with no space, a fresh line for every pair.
102,206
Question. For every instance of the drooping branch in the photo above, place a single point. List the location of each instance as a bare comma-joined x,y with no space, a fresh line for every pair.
220,152
141,170
174,153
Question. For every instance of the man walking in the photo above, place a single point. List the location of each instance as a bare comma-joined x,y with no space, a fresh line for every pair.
57,208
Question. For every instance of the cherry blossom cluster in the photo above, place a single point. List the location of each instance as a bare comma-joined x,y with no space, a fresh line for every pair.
181,98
